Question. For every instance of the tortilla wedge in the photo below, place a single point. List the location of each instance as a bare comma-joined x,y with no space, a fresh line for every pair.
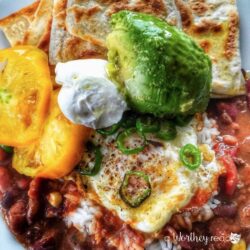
38,33
214,25
79,27
15,25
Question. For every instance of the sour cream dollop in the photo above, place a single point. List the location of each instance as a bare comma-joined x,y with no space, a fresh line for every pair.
87,96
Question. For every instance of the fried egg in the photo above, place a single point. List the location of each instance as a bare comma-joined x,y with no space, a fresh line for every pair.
172,184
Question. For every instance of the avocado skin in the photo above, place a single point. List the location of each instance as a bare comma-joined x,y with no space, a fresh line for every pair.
159,68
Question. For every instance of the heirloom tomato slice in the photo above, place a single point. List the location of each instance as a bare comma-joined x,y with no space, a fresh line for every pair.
25,89
57,151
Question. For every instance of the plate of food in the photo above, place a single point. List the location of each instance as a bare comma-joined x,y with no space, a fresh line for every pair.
125,125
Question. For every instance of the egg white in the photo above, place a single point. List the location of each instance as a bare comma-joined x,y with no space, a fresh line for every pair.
173,185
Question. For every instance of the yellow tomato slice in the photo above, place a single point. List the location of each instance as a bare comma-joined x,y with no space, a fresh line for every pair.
25,89
58,150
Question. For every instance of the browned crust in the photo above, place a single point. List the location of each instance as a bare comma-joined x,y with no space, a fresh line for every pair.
79,12
231,41
199,7
207,26
74,45
85,15
27,12
45,40
44,14
185,12
60,13
155,7
206,46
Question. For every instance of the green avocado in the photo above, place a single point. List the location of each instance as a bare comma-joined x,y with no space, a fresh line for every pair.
158,68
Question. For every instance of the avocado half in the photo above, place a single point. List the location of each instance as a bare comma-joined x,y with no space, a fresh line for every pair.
159,69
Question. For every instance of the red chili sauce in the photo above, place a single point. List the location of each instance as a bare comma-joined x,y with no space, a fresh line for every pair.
39,225
232,215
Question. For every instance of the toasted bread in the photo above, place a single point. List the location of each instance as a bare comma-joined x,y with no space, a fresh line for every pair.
15,25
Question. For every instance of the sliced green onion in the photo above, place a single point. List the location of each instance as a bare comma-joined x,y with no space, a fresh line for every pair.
126,134
183,120
190,156
135,188
7,149
128,119
147,124
110,130
86,169
167,131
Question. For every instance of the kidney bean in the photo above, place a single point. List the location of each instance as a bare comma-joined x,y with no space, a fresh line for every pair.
34,233
239,162
169,231
5,181
185,243
51,212
17,216
230,140
227,210
9,198
23,183
225,118
229,108
34,199
74,240
222,228
47,242
3,155
244,216
231,174
235,126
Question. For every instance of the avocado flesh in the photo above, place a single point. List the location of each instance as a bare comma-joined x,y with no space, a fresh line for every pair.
159,68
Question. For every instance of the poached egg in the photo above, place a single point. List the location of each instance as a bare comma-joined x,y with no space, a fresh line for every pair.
87,96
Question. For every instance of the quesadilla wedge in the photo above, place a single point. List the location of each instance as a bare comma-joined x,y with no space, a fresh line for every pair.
15,25
89,20
38,33
64,46
79,28
214,25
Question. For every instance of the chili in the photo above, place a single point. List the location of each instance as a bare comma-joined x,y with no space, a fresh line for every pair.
121,139
147,124
167,131
135,188
87,169
190,156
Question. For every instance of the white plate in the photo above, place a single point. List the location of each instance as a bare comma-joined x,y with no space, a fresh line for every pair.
7,242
